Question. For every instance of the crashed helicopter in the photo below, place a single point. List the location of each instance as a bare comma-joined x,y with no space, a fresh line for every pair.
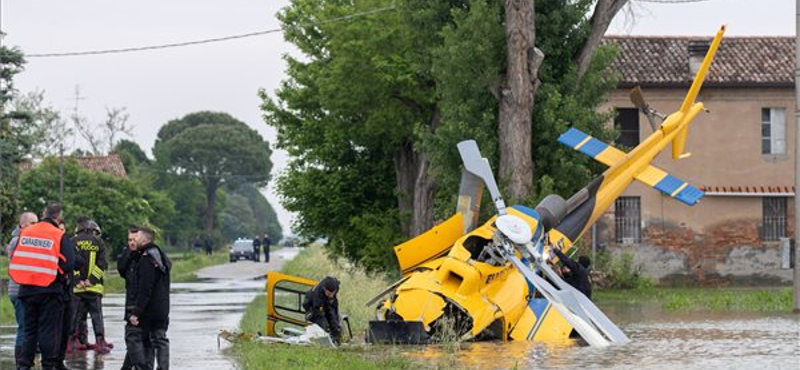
492,281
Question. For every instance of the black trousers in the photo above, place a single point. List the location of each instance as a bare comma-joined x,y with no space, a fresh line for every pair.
91,304
44,326
147,343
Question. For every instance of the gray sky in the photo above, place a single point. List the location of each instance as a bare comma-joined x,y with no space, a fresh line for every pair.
160,85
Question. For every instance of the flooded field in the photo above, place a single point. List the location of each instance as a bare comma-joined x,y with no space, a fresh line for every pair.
199,310
659,340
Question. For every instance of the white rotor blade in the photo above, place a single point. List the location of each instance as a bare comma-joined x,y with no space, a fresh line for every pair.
477,165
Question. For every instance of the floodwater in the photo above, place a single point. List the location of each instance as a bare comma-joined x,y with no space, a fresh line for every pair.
659,340
199,310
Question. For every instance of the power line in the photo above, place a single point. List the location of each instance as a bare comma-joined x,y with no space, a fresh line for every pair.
203,41
672,1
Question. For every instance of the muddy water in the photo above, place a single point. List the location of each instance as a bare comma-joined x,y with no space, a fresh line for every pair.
198,311
660,340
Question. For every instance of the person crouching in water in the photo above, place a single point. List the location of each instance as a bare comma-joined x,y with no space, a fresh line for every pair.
89,288
322,307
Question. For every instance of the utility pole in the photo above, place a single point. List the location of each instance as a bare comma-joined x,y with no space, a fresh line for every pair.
796,308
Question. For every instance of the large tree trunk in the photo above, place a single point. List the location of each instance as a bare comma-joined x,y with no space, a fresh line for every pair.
415,190
211,197
604,13
516,98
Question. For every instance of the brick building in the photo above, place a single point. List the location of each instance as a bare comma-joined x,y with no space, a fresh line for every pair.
742,156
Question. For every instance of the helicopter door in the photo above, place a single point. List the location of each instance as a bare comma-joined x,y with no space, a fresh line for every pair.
285,295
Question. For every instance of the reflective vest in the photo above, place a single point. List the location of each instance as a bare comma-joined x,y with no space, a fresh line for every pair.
88,249
35,260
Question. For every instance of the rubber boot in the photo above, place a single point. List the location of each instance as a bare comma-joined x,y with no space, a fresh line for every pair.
70,346
102,347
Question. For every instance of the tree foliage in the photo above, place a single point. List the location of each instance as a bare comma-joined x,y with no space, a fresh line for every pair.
423,76
15,138
114,202
218,150
248,214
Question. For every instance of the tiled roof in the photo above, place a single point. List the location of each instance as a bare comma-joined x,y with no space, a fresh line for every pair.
753,189
110,164
659,61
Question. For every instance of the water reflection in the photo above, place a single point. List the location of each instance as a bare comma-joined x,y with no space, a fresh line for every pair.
686,341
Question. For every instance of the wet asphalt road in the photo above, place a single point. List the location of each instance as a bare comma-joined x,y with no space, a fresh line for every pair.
199,310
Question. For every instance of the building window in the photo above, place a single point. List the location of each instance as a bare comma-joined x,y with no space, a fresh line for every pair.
628,220
627,123
774,223
773,131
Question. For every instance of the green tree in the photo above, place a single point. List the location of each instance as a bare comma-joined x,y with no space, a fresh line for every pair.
131,155
218,150
15,144
248,213
114,202
373,111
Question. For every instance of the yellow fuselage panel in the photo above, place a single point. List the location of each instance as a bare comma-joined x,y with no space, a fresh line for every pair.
485,292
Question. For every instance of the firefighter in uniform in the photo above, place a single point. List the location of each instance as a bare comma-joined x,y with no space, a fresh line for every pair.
42,265
88,282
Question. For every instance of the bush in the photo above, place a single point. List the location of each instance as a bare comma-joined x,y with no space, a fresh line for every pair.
619,273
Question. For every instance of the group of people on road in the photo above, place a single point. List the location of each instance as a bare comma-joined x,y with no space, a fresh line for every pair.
57,279
258,244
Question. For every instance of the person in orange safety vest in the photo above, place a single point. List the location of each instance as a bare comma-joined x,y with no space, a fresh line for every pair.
42,265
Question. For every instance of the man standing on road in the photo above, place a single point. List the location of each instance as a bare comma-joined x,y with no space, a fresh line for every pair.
322,307
42,265
89,285
266,244
26,219
147,282
256,248
209,246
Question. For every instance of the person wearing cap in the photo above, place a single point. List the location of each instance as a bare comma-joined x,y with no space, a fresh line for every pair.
322,307
88,287
576,274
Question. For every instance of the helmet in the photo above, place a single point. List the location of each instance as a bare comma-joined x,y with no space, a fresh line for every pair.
93,226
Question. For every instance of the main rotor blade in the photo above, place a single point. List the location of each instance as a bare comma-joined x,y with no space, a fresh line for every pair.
582,314
477,165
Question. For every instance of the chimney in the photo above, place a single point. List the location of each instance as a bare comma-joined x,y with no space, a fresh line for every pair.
697,51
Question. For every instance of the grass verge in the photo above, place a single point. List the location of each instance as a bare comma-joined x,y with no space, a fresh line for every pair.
704,299
356,288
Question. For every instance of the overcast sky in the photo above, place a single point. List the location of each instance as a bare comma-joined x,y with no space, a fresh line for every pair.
160,85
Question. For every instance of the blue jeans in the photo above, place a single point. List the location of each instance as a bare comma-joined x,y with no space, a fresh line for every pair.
19,314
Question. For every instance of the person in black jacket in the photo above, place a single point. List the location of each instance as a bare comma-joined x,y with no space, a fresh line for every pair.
256,249
147,282
576,274
266,244
322,307
44,306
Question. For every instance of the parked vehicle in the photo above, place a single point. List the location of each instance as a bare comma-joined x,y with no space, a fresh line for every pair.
242,249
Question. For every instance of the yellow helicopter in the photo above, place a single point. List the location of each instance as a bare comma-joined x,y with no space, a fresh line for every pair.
492,281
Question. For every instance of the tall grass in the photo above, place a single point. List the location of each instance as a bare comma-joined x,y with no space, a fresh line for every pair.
356,286
704,299
356,289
